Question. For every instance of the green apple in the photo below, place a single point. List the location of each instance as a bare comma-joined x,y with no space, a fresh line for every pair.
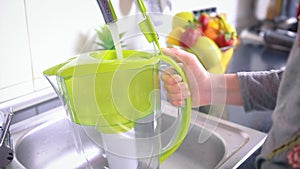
209,54
182,19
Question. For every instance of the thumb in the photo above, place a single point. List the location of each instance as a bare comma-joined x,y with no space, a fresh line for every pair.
180,55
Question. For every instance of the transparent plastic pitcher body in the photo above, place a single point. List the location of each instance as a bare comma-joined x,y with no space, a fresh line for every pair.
118,105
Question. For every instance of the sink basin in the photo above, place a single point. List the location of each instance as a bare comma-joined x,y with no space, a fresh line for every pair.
54,141
46,141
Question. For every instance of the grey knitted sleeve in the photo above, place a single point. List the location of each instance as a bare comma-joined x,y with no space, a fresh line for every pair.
259,89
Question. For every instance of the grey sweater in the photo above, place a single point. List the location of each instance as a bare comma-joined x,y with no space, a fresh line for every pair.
281,92
259,89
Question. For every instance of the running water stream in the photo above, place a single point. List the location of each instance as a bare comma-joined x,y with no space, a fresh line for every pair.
113,27
119,159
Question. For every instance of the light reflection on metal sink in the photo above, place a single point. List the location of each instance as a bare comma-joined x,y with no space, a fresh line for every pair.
46,141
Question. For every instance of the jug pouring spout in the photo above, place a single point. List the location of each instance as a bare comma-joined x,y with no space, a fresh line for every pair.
51,76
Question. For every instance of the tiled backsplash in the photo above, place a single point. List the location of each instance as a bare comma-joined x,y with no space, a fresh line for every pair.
15,63
36,34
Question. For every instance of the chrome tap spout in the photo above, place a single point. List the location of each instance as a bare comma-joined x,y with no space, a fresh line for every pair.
107,10
6,150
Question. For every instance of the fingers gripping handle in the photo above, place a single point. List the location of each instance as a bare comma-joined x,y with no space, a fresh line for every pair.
185,116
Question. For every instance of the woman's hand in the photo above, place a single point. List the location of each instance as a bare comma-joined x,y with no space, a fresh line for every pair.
198,79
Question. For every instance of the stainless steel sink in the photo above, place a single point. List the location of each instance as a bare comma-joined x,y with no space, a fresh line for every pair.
46,141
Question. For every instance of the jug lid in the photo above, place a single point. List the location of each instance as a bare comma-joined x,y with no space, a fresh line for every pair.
100,62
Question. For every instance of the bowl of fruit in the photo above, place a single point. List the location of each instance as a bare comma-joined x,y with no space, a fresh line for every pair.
210,37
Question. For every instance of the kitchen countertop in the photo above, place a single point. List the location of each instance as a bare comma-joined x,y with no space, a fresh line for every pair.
249,57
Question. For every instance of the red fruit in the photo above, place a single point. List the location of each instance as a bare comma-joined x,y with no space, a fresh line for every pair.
189,37
199,27
204,20
225,39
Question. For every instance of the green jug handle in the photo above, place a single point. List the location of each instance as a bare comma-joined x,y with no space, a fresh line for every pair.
186,111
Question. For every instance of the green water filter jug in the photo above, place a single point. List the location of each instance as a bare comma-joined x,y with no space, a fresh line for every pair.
118,104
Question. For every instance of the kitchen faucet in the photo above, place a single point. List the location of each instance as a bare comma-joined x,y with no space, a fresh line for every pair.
146,26
107,10
6,150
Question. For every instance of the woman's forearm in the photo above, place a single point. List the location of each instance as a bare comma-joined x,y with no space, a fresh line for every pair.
234,96
224,89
